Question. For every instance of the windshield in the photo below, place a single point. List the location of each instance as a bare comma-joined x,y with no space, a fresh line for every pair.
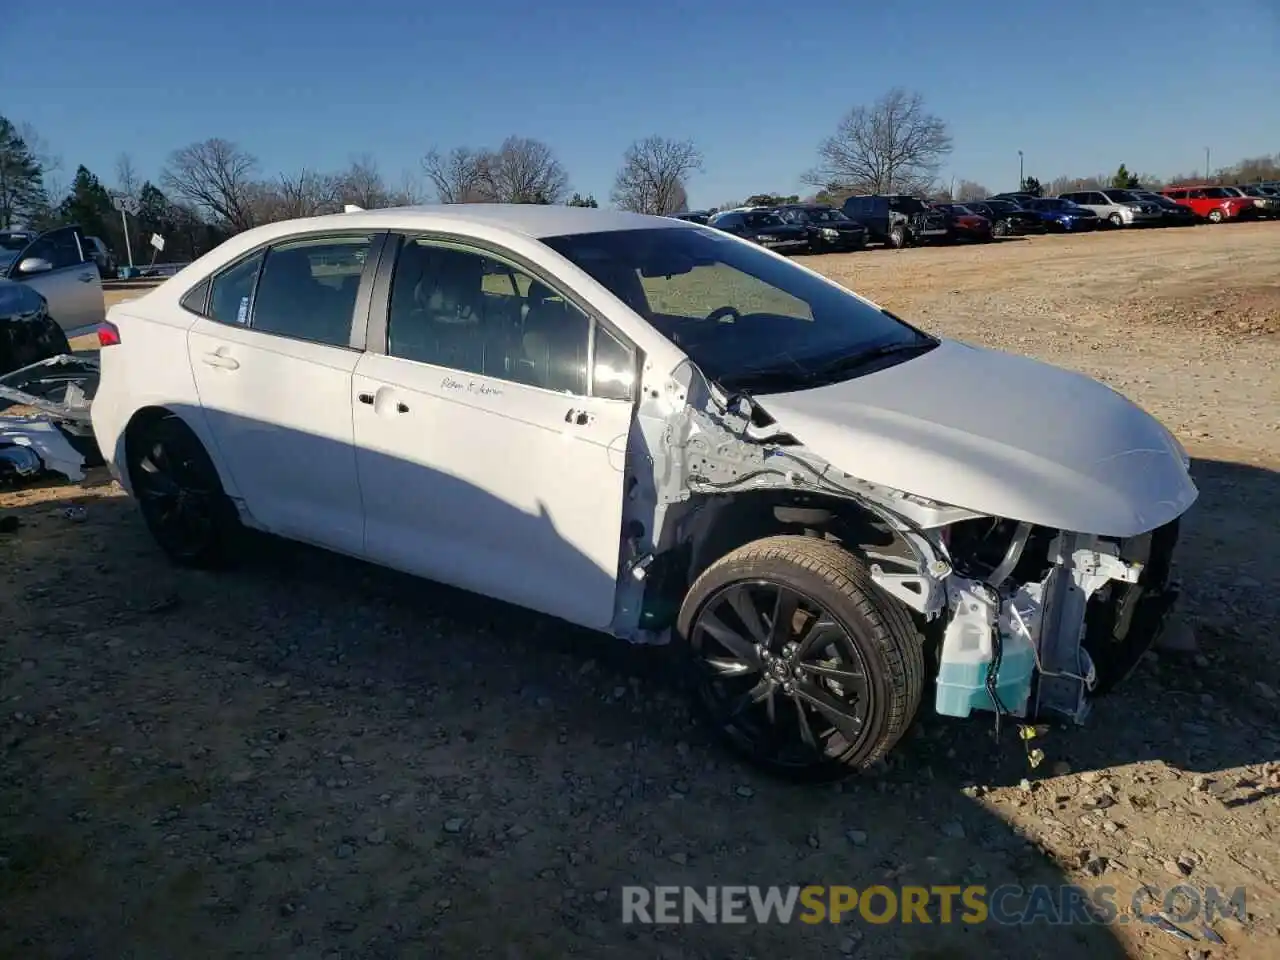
1001,206
826,215
748,319
758,220
960,209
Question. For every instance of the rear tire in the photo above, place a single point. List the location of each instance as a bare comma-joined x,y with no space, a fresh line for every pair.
753,656
180,494
1216,216
1000,229
1116,220
898,237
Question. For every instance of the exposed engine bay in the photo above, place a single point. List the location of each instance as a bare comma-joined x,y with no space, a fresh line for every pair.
1022,620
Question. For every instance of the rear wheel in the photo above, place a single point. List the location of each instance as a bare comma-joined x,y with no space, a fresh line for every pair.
1000,228
1216,216
1116,220
800,663
898,237
180,494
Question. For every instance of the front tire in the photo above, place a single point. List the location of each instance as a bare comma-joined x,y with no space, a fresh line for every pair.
800,663
180,494
898,237
1116,220
1216,216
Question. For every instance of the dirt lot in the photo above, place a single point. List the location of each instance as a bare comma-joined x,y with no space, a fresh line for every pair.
313,758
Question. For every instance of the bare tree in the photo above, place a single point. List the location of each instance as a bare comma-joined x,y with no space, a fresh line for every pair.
653,175
410,192
127,180
216,177
306,193
461,176
524,170
969,190
893,146
362,184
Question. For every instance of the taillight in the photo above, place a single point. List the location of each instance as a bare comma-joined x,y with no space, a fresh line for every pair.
108,334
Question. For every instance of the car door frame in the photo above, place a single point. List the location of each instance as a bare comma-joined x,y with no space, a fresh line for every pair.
61,276
374,340
245,335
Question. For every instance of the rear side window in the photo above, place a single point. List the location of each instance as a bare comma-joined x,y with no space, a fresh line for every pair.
308,289
232,292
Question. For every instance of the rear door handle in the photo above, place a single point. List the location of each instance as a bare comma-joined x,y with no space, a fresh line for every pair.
222,361
577,417
85,278
365,398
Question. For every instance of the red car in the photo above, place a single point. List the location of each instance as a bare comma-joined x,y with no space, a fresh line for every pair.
963,223
1213,203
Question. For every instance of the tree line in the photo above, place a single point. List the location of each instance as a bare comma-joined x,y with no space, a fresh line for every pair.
215,188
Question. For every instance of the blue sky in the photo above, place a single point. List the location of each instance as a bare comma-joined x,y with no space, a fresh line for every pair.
1079,85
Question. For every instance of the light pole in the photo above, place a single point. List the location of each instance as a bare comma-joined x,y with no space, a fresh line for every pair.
1206,163
1021,180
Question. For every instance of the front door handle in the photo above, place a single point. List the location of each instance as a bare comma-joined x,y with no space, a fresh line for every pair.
222,361
365,398
579,418
85,278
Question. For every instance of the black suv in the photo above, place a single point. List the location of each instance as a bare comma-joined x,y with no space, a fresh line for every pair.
897,219
1008,219
828,228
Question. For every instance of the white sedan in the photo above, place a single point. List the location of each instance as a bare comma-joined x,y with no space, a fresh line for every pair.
662,432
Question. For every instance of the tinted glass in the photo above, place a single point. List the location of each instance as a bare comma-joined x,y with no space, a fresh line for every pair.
458,308
233,292
748,319
758,220
1121,196
59,247
308,288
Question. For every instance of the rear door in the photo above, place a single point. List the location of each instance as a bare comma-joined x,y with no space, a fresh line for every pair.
491,427
71,283
272,356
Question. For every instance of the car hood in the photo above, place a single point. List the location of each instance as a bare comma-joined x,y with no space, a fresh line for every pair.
997,434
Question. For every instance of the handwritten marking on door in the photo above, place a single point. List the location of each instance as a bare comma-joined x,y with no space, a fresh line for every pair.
477,387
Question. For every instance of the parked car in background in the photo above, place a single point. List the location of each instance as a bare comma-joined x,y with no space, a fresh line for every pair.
57,265
828,228
1266,205
101,255
1016,196
27,332
964,223
896,219
693,216
764,227
662,435
1175,215
1063,216
1211,202
1118,208
1008,218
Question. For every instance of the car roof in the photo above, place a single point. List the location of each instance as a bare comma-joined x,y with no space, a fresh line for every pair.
530,219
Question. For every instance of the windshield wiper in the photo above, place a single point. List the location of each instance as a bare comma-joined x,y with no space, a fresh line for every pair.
855,361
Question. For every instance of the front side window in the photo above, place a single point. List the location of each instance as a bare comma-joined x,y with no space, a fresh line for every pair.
308,288
452,306
59,247
749,320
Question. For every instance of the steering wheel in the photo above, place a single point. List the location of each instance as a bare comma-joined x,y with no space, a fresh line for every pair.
724,314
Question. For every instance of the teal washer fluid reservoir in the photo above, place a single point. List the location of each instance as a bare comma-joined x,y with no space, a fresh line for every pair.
968,646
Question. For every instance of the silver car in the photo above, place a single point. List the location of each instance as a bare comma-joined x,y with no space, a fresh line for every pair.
59,265
1120,208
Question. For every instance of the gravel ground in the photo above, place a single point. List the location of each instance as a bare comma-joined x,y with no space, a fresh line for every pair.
314,758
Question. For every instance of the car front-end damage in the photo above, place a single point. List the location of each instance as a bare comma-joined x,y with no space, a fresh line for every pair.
1021,618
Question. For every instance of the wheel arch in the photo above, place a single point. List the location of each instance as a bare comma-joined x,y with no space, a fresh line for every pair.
191,418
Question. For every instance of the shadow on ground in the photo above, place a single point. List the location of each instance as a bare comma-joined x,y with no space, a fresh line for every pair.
313,754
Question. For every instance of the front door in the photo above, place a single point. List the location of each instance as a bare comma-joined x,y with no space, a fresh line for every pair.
486,458
69,282
273,362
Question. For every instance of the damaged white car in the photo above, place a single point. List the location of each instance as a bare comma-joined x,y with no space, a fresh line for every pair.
658,431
